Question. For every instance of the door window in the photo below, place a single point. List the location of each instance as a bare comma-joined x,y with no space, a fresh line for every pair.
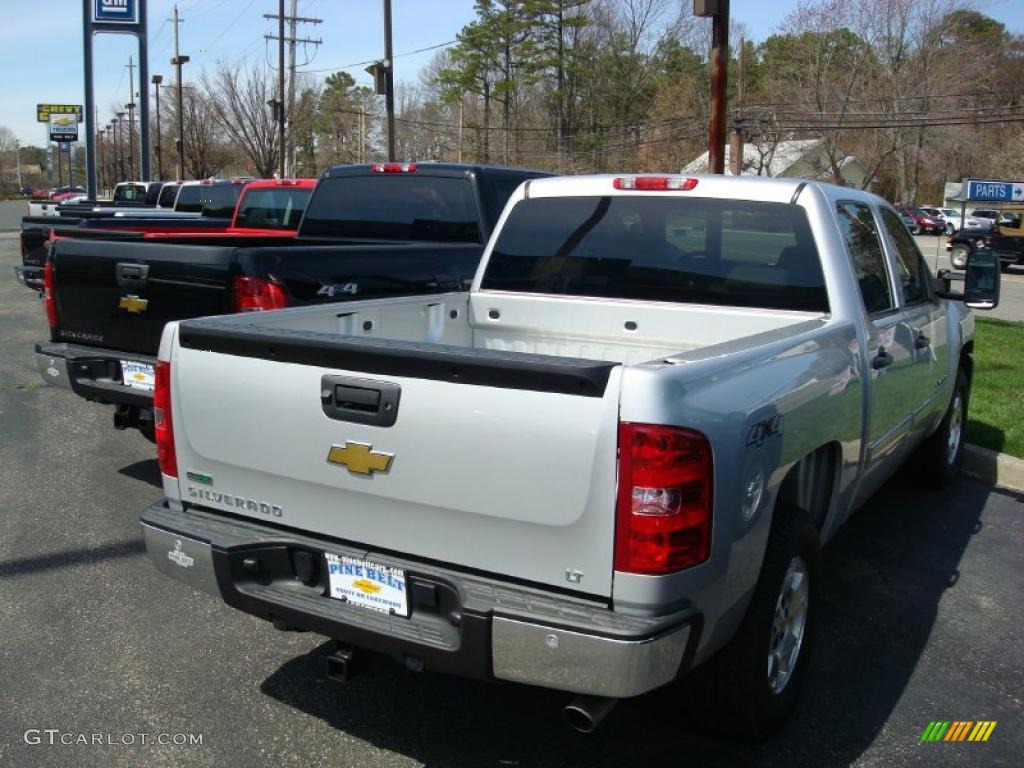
865,249
909,264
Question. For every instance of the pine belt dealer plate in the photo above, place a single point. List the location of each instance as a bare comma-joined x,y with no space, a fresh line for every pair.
377,587
137,375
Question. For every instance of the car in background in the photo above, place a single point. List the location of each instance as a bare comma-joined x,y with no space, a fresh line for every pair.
60,193
908,221
923,222
954,222
985,213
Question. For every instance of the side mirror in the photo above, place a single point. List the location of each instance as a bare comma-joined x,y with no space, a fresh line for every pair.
981,279
981,282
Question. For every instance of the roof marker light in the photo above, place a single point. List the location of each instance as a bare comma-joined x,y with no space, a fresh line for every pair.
655,183
394,168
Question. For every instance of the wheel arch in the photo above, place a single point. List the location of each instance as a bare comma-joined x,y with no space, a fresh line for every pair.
810,485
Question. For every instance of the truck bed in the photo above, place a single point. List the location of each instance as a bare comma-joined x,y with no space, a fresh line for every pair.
621,332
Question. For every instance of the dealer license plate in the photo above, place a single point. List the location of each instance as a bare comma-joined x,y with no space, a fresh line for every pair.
137,375
378,587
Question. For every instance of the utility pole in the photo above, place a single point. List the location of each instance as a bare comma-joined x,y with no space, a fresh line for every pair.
157,79
718,10
286,105
178,61
462,104
736,137
130,106
17,160
389,74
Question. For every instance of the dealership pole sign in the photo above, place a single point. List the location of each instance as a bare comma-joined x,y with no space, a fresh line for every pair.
119,17
63,127
115,11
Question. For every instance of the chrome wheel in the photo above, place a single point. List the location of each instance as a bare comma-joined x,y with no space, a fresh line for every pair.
956,428
958,257
788,625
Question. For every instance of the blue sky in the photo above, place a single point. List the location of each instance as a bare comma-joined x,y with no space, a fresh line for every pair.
41,43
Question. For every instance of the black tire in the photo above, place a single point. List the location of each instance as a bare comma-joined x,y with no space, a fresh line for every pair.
936,463
735,698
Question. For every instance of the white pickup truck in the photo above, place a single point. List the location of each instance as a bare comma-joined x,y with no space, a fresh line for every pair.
611,462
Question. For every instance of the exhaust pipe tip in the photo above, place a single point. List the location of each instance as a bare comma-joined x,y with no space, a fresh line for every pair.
585,713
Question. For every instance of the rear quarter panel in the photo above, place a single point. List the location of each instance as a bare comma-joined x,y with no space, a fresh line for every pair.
764,402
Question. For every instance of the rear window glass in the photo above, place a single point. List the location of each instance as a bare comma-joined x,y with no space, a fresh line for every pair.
277,208
691,250
129,193
167,194
216,200
394,207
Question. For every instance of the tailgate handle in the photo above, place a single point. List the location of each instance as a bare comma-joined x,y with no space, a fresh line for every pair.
132,275
360,401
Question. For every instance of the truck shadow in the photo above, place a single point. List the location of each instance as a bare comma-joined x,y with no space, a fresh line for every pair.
884,575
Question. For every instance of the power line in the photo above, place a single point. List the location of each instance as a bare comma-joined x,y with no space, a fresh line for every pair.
372,61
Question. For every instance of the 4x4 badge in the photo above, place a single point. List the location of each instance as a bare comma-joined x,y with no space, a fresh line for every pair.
360,458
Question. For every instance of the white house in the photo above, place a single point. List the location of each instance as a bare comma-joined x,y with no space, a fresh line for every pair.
803,158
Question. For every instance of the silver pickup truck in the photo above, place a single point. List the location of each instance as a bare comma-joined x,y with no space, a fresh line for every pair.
611,462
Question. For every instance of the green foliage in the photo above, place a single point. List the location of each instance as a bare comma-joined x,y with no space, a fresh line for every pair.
996,420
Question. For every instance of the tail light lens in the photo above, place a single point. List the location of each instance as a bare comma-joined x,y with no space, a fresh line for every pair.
163,426
663,516
255,294
49,302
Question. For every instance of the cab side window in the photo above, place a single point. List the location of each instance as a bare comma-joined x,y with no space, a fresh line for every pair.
909,263
865,249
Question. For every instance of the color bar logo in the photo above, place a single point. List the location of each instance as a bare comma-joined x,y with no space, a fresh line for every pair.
958,730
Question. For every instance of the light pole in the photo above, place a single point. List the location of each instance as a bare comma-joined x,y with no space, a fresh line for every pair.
17,160
718,10
120,141
112,128
157,79
131,139
178,61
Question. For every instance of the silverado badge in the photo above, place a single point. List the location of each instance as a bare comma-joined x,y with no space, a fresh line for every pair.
133,304
360,458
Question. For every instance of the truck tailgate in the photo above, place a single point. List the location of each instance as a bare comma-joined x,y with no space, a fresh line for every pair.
500,463
95,280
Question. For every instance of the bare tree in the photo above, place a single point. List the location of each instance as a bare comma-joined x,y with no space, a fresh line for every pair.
241,110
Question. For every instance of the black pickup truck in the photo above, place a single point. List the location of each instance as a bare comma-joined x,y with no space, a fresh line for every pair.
1005,238
385,229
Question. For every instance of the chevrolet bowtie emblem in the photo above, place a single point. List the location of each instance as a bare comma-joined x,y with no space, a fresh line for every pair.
360,458
133,304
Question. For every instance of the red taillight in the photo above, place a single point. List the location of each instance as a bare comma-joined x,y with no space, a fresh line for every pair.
255,294
394,168
49,302
663,516
163,427
655,183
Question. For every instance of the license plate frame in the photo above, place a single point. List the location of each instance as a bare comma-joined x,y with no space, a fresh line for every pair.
367,584
138,375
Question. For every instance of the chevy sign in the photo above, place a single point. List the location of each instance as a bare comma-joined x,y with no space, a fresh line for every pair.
995,191
115,11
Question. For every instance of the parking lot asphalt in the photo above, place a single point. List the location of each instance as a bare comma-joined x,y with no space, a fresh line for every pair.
923,596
